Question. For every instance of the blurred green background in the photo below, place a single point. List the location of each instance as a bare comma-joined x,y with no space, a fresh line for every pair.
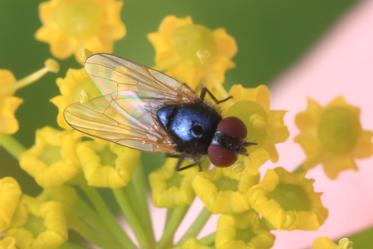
271,35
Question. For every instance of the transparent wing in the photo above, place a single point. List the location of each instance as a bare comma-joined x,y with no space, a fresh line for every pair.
113,74
124,119
126,113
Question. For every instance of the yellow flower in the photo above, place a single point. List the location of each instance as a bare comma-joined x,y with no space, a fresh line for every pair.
9,103
171,188
65,195
75,86
7,83
52,160
192,53
10,192
332,135
288,201
265,126
326,243
38,225
192,243
223,190
245,230
107,164
8,121
71,26
8,243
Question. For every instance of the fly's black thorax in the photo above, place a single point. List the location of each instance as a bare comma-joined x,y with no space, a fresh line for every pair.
191,126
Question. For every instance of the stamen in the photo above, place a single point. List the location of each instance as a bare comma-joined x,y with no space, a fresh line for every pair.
50,65
83,55
84,97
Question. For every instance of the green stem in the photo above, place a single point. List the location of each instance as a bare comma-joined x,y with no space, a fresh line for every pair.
197,225
87,233
124,202
208,239
107,216
12,145
142,197
168,216
89,216
173,223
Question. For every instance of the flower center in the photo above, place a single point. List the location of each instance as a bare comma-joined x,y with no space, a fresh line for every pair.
35,225
85,89
175,180
51,154
80,18
107,156
226,183
245,235
253,116
290,197
339,129
195,42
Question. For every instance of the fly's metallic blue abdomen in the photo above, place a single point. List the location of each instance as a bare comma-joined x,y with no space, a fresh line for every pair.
191,126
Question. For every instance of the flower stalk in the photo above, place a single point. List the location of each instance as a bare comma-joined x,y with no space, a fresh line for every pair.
197,225
50,65
171,226
140,188
124,201
106,214
208,239
12,145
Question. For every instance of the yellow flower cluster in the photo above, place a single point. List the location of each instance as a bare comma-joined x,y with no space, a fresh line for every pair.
171,188
285,200
58,157
52,161
250,203
106,164
288,201
28,222
10,103
75,86
72,26
192,53
223,191
244,230
265,126
333,136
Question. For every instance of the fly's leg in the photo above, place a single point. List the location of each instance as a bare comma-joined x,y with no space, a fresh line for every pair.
205,91
170,155
180,162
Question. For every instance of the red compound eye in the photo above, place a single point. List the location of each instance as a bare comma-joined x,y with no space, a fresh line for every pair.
233,127
220,156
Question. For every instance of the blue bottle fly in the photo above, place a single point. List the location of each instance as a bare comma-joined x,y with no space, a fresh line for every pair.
147,110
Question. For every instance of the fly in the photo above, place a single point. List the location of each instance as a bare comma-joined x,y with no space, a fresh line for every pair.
147,110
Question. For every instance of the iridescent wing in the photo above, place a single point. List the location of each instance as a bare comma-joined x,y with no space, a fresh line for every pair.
113,74
126,113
